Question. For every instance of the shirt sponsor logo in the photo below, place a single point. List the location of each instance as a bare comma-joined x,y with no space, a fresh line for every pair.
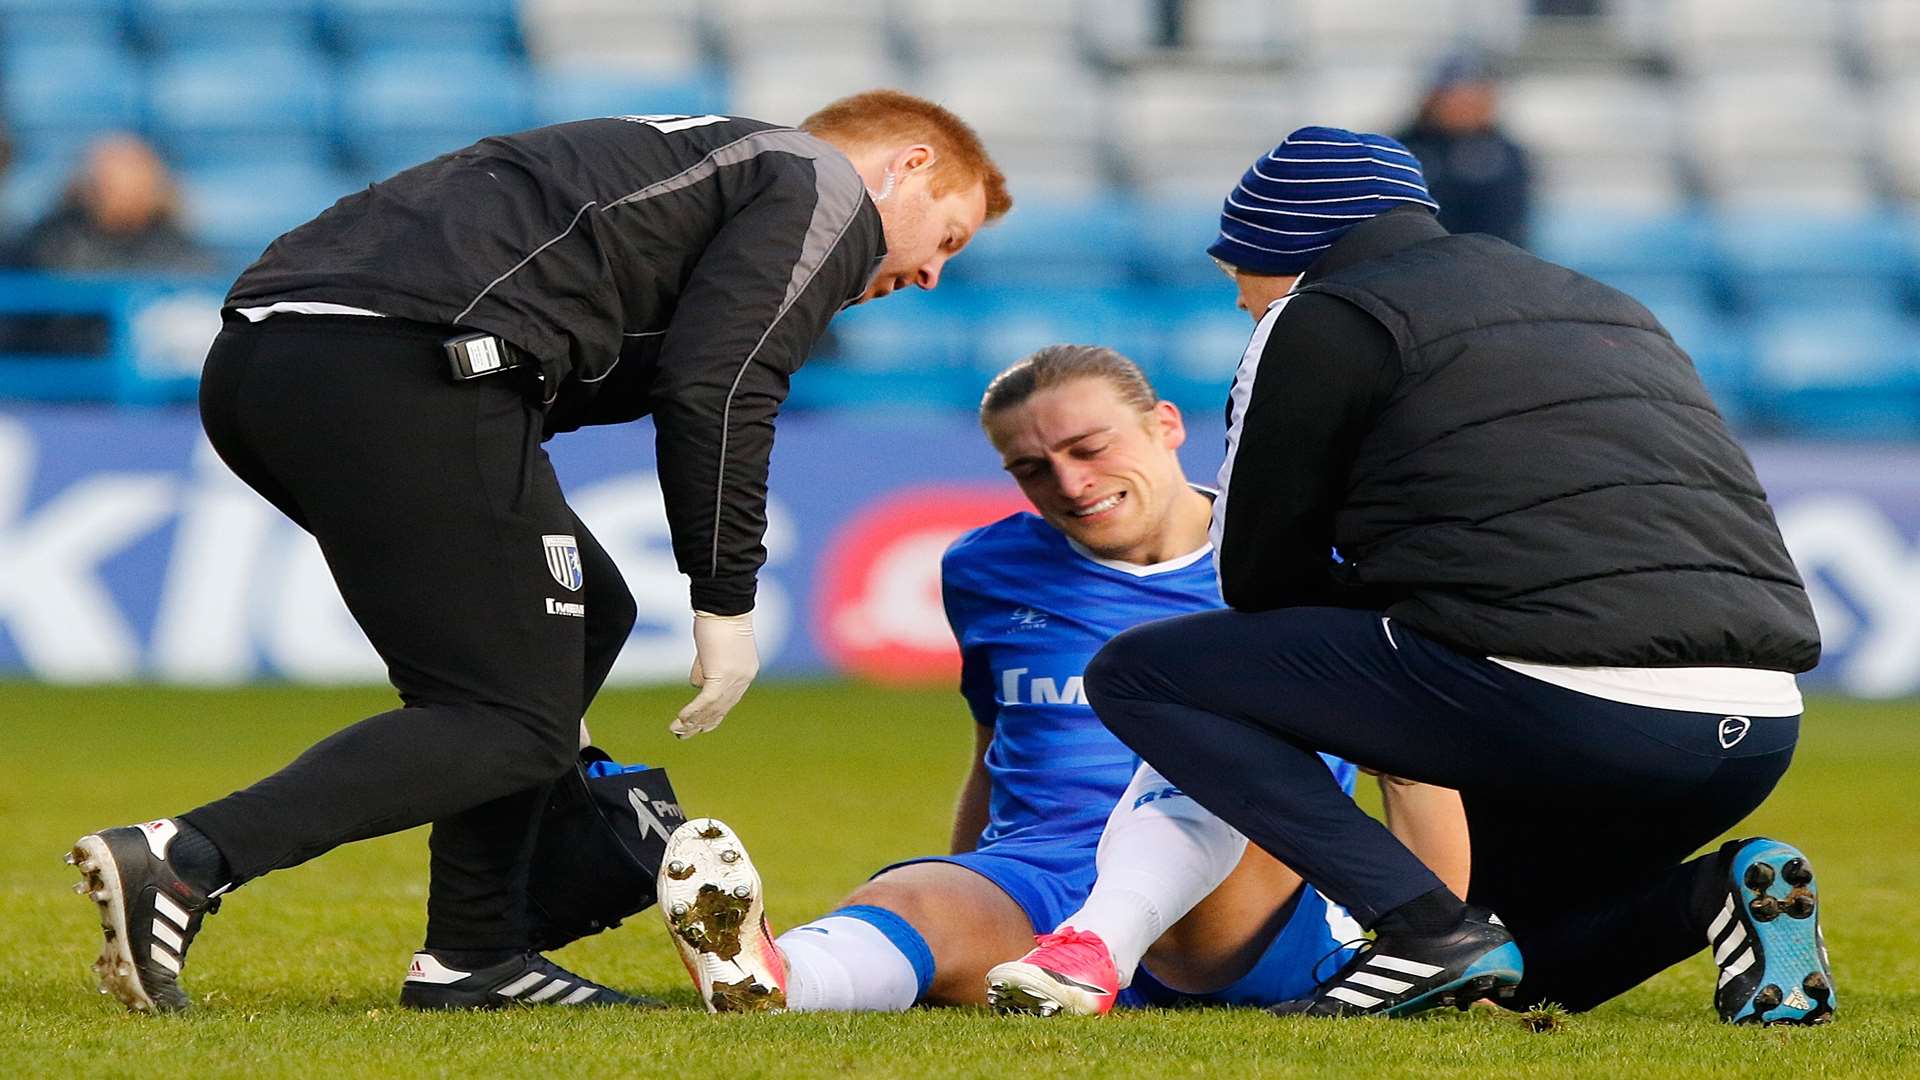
1019,688
561,607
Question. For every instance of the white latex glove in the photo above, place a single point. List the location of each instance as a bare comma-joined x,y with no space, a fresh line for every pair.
724,664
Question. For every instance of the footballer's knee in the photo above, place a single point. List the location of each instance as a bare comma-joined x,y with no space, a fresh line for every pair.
908,900
967,922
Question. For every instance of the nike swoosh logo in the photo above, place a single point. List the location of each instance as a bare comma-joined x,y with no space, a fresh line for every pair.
1063,980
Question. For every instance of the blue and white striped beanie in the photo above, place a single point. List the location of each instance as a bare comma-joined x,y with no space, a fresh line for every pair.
1296,201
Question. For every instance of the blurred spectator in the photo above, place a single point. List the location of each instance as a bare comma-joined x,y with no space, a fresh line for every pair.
1169,22
120,213
1476,173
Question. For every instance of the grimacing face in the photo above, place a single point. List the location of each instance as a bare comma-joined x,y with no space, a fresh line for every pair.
1097,469
923,230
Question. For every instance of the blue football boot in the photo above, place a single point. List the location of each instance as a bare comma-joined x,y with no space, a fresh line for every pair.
1766,939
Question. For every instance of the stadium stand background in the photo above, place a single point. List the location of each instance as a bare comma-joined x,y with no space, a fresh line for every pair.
1750,169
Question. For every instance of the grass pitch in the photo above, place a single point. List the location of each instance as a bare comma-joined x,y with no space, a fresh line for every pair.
298,976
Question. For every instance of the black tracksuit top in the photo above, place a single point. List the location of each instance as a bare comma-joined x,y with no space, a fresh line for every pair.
679,267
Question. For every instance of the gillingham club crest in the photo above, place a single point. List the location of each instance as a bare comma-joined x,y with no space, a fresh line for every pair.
563,561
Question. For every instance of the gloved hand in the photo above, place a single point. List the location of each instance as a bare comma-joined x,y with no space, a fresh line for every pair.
724,664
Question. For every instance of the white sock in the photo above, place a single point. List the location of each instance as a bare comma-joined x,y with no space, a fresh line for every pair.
1161,854
856,959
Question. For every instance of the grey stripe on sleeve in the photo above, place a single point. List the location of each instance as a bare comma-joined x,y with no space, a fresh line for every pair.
839,192
745,148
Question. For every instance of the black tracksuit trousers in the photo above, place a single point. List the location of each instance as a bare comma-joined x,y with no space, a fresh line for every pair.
1582,811
435,507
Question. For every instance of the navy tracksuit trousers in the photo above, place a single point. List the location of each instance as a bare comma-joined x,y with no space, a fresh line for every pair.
1582,810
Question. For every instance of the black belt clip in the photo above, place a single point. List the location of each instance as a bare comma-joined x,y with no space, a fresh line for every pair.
473,355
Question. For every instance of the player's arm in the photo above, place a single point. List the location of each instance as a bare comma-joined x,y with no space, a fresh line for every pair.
974,810
1433,825
1321,376
970,816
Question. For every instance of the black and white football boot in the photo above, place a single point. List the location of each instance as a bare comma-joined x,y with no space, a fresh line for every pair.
1766,939
1405,974
148,915
527,979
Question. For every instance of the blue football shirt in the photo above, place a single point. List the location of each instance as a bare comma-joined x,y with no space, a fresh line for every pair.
1029,609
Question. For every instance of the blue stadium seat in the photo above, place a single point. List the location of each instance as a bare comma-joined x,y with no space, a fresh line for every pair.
1720,345
399,110
40,23
911,350
1654,287
1910,239
1169,237
560,96
259,104
1203,337
28,190
187,24
1041,242
239,209
59,97
361,26
1008,322
1840,369
1773,255
1617,245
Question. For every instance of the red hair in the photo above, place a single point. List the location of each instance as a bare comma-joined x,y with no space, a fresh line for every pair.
890,117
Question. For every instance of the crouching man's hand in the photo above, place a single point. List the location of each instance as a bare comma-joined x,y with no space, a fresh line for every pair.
725,661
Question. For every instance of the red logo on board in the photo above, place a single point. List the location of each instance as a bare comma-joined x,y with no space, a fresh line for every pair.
880,615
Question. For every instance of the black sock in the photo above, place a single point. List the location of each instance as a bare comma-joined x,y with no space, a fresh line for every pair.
471,960
196,860
1428,914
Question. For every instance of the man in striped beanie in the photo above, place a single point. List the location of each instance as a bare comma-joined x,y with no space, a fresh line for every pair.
1307,193
1481,527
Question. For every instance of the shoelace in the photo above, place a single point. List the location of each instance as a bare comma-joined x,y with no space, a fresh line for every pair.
1361,947
552,970
212,908
1080,947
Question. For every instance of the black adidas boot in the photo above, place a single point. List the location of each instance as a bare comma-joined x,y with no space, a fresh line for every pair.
149,915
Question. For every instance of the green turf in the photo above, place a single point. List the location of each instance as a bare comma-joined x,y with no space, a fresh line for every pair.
298,975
